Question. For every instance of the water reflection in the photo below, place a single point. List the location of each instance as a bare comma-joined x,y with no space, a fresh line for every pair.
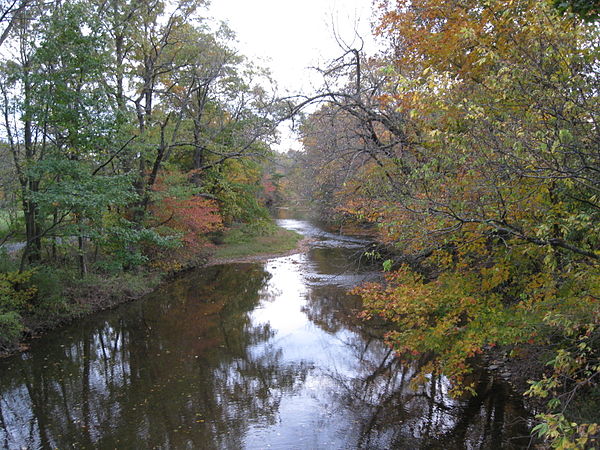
242,356
175,370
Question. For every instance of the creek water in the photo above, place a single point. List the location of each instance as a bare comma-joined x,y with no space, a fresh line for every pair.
256,356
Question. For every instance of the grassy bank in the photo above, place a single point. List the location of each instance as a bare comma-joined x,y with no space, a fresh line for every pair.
255,240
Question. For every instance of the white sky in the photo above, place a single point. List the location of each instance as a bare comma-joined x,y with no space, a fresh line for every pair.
290,36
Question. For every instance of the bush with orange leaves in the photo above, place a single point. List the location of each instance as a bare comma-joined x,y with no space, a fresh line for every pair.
189,215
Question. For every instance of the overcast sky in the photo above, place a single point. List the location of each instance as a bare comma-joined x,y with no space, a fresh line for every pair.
290,36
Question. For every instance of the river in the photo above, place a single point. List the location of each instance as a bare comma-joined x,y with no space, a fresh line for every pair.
244,356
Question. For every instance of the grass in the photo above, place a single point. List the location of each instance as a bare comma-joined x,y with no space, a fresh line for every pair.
243,241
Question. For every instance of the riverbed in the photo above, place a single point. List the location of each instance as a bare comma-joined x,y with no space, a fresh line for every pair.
245,356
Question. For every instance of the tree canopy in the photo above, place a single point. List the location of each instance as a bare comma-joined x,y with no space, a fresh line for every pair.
471,144
130,131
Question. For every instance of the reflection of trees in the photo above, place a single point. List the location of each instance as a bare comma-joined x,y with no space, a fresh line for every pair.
390,412
393,413
189,368
330,308
336,270
176,370
339,260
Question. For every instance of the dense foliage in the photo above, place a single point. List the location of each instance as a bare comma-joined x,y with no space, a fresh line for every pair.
129,131
472,144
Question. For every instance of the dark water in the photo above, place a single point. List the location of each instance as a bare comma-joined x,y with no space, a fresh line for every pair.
243,356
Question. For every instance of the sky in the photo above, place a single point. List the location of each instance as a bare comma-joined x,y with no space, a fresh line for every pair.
290,36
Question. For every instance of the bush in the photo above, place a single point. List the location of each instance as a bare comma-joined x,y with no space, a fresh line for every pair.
11,328
49,301
16,295
16,292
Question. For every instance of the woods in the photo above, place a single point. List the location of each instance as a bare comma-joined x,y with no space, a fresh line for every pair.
471,145
130,132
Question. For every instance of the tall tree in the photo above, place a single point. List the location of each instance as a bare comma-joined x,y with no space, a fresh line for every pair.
10,12
56,116
481,164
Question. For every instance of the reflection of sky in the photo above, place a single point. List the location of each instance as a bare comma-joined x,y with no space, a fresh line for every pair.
279,366
295,334
283,297
308,418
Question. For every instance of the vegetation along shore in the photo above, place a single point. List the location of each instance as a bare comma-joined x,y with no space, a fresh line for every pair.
136,140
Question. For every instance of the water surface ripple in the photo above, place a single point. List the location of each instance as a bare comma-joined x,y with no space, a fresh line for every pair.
243,356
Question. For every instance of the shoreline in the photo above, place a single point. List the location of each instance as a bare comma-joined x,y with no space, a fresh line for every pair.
93,301
301,247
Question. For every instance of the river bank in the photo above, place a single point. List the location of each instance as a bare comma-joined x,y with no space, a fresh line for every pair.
80,298
247,356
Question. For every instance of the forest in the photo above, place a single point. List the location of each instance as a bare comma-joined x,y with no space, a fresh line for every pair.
471,147
133,133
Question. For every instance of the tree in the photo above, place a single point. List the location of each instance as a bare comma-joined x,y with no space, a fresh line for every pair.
10,13
53,108
481,168
588,10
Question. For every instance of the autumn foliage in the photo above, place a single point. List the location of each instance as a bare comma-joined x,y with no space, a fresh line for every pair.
189,215
472,146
